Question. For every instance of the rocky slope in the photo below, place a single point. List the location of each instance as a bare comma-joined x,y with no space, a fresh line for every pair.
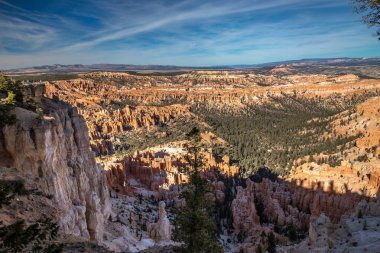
358,232
357,166
322,198
286,205
52,154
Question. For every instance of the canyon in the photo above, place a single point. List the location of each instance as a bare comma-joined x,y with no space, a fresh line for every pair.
220,90
109,156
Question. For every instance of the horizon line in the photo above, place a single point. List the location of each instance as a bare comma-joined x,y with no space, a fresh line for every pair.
195,66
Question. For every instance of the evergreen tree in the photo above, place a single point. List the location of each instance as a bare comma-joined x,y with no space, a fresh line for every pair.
195,227
14,97
271,243
3,83
20,237
371,12
11,98
292,233
6,195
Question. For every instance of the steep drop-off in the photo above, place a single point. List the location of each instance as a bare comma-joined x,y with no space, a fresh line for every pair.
51,153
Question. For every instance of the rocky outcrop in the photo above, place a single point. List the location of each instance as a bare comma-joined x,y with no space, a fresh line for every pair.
117,178
287,204
290,205
105,123
219,189
244,212
358,232
162,167
54,151
33,91
161,231
127,118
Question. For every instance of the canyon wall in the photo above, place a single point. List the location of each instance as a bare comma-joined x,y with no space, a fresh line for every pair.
105,123
52,154
158,169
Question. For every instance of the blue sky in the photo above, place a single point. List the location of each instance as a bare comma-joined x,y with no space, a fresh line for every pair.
175,32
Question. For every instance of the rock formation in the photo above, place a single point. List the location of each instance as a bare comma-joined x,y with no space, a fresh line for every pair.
54,151
244,212
160,168
161,231
103,124
358,232
288,204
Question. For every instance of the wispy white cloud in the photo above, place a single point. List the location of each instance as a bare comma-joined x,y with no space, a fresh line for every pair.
179,32
176,14
22,30
19,34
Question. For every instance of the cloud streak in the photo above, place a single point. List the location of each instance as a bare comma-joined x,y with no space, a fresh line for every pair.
178,32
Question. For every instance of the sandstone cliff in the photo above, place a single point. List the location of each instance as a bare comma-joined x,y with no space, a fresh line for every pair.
52,154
